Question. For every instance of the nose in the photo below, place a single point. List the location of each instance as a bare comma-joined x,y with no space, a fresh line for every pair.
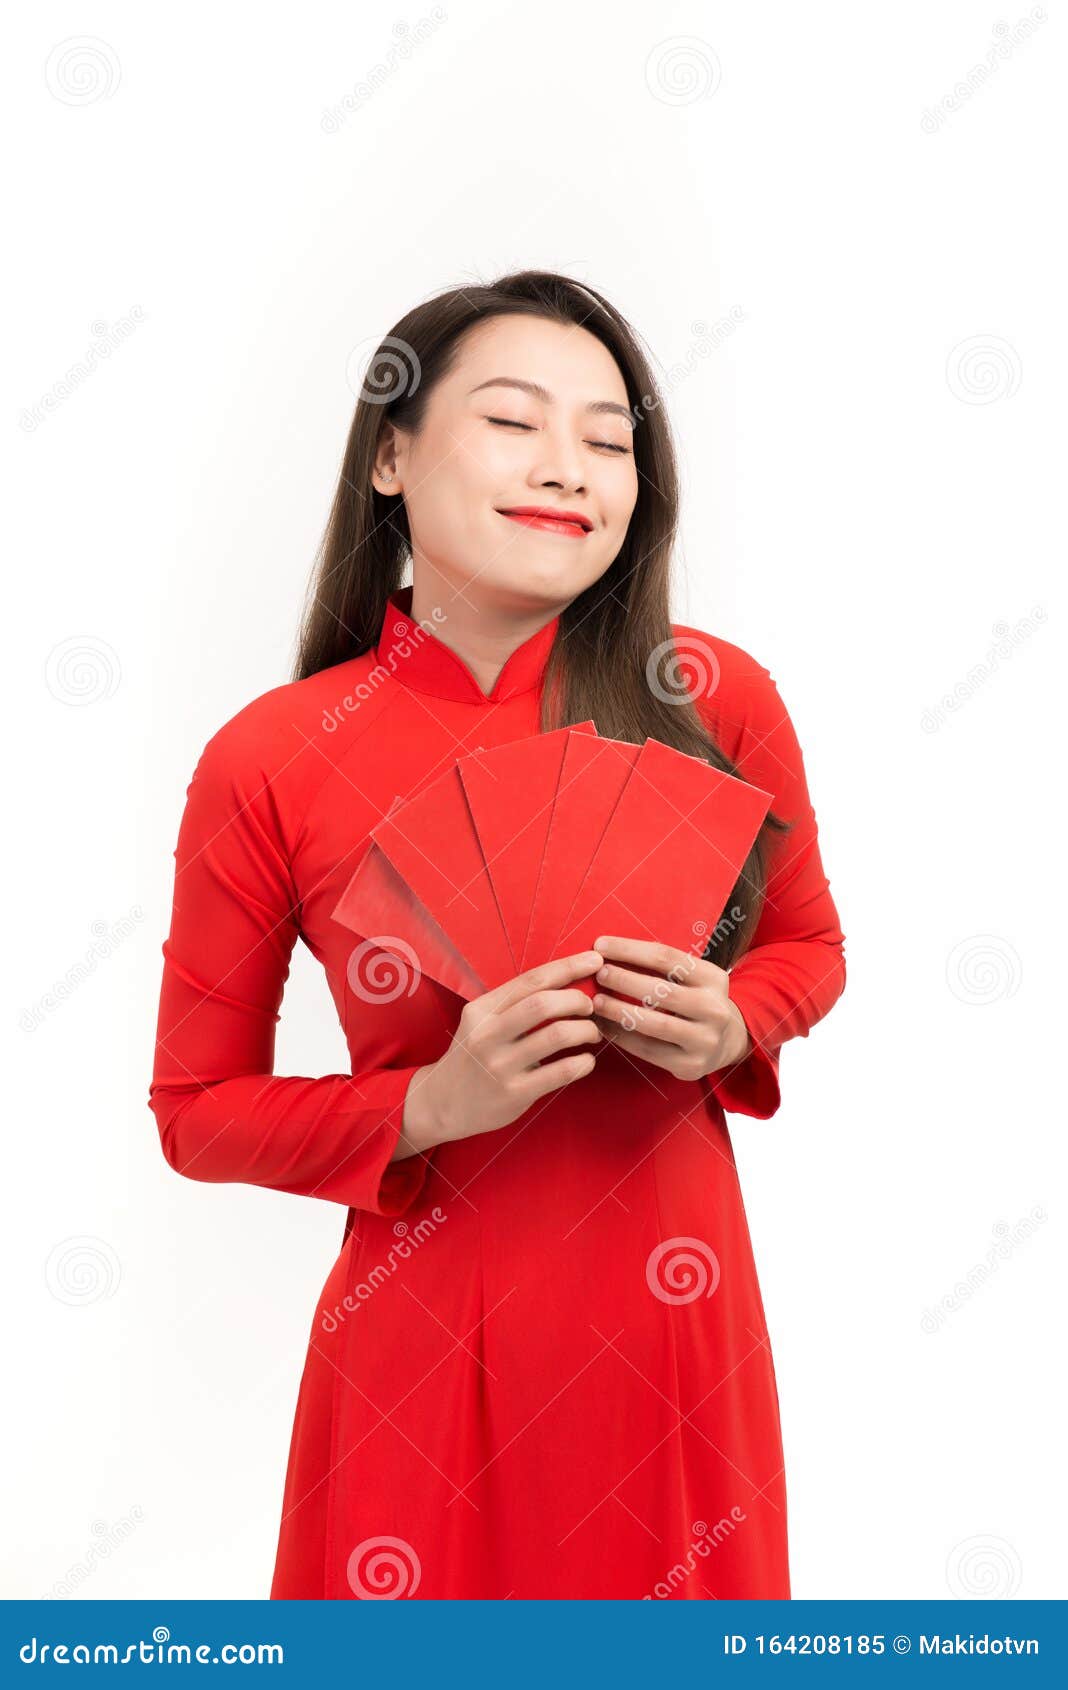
559,465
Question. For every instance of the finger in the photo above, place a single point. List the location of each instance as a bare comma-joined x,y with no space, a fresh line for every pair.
531,1011
667,1029
655,1051
559,1035
651,954
545,977
550,1076
668,995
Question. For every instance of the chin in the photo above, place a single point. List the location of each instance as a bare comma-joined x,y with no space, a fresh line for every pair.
531,588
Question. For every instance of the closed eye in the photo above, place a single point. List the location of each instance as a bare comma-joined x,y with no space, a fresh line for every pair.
605,445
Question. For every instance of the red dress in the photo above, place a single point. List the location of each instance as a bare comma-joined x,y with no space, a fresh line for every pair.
539,1367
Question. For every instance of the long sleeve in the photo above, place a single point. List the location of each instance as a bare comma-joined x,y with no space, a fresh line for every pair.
794,970
221,1112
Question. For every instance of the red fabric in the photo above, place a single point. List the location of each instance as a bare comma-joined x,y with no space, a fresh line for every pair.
539,1367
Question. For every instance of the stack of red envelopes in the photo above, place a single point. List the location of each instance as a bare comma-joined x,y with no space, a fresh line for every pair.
531,850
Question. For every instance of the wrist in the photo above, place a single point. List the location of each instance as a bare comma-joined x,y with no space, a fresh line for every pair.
744,1042
422,1125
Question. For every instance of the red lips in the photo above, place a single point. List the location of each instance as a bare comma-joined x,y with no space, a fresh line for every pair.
549,518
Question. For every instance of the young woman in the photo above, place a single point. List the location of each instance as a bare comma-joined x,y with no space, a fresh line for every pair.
539,1367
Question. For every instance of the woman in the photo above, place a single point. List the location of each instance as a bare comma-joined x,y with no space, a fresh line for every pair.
539,1367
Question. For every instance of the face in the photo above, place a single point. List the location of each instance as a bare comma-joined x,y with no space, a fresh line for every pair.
490,444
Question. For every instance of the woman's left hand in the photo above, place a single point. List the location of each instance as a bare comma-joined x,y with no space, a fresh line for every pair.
684,1022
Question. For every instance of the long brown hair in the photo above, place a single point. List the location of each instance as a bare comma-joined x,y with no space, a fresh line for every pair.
613,660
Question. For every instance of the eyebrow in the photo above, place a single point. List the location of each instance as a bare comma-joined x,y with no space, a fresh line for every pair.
599,406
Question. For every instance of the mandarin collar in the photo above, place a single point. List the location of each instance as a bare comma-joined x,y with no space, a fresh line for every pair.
416,657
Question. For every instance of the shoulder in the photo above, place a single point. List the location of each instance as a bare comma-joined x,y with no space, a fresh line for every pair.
278,739
727,665
731,689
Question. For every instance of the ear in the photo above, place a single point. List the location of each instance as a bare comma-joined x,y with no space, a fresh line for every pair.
384,475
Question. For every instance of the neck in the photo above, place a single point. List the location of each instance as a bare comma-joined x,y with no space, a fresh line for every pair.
483,634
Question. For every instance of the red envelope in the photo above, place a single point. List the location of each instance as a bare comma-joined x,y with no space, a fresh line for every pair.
670,855
381,907
511,791
527,852
593,775
432,843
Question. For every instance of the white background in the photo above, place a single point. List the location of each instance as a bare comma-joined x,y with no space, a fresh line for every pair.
868,510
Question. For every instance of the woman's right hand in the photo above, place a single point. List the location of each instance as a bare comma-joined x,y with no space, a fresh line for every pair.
490,1074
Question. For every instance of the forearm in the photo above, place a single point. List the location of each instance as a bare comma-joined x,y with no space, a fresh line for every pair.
332,1137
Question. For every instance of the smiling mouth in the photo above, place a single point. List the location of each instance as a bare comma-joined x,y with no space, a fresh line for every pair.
569,523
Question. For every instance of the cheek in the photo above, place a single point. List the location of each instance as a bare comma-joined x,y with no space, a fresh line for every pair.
619,504
449,484
476,453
